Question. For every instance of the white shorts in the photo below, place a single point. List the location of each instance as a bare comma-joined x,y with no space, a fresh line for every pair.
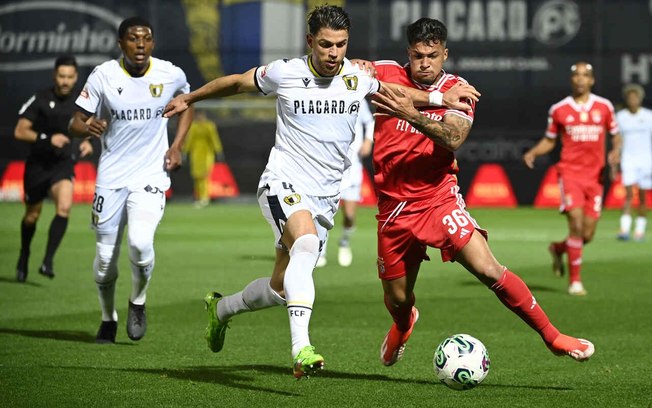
110,206
634,173
278,201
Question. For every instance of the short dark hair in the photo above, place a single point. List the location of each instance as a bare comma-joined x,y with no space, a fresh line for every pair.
67,60
135,21
427,30
333,17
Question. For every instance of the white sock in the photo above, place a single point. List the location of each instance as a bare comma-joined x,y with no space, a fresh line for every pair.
140,276
106,294
255,296
625,223
300,289
641,223
346,236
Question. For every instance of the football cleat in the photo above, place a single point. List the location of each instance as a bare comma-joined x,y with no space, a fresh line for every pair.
557,261
638,237
21,267
344,256
394,344
46,270
216,330
307,362
577,349
106,333
623,236
136,321
577,289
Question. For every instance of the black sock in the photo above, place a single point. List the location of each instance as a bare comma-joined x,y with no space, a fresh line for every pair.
55,235
26,235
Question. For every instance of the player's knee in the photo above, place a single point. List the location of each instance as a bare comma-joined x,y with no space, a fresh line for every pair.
104,267
141,254
308,243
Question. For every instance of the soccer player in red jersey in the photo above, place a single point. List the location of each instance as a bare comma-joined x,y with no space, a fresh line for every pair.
419,203
583,120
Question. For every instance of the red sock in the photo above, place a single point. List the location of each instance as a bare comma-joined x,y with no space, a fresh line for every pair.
574,248
514,293
560,247
401,313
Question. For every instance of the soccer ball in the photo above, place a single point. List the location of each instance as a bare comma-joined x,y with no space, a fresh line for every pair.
461,362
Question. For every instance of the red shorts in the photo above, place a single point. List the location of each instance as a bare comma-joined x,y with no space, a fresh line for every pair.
581,194
407,228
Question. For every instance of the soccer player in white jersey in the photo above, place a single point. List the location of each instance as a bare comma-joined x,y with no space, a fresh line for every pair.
352,185
635,123
122,102
318,99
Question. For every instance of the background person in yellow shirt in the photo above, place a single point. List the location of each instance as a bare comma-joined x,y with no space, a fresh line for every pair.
202,146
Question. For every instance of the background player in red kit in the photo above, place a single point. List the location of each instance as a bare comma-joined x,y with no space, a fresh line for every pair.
582,119
419,204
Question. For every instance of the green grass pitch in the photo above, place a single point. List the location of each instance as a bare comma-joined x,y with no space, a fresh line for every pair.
47,327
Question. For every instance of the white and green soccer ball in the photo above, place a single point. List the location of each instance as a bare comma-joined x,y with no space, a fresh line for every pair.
461,362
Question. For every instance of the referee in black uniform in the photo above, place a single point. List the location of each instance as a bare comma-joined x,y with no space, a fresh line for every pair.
43,122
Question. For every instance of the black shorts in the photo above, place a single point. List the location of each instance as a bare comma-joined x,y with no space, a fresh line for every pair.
40,176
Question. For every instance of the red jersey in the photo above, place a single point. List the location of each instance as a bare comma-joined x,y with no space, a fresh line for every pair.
407,164
583,131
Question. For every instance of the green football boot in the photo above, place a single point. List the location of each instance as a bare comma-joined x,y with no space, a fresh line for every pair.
307,362
216,330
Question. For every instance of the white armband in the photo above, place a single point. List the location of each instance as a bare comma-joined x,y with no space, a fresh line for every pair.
436,98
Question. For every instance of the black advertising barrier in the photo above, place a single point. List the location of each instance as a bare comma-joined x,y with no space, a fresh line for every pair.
516,52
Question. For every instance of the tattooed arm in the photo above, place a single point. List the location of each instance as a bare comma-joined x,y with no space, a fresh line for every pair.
449,134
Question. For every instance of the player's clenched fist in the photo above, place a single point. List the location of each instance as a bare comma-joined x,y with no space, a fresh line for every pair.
176,105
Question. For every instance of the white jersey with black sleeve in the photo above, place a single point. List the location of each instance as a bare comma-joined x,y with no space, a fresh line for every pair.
136,139
315,122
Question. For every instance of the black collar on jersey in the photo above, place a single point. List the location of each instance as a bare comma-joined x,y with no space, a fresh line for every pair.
317,74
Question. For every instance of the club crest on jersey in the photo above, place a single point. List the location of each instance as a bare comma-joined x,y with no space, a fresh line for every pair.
596,116
292,199
156,90
351,82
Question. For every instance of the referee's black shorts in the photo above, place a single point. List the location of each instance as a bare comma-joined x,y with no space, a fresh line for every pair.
40,176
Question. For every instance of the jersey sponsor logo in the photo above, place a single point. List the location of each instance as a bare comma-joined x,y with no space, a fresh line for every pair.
306,81
120,91
318,107
351,82
156,90
404,125
135,114
292,199
584,133
354,107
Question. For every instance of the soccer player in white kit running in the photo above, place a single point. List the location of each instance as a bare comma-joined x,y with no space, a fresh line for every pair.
352,185
318,99
122,102
635,123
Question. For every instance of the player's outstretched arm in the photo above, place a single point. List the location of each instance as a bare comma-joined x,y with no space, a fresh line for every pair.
449,134
219,87
453,98
544,146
